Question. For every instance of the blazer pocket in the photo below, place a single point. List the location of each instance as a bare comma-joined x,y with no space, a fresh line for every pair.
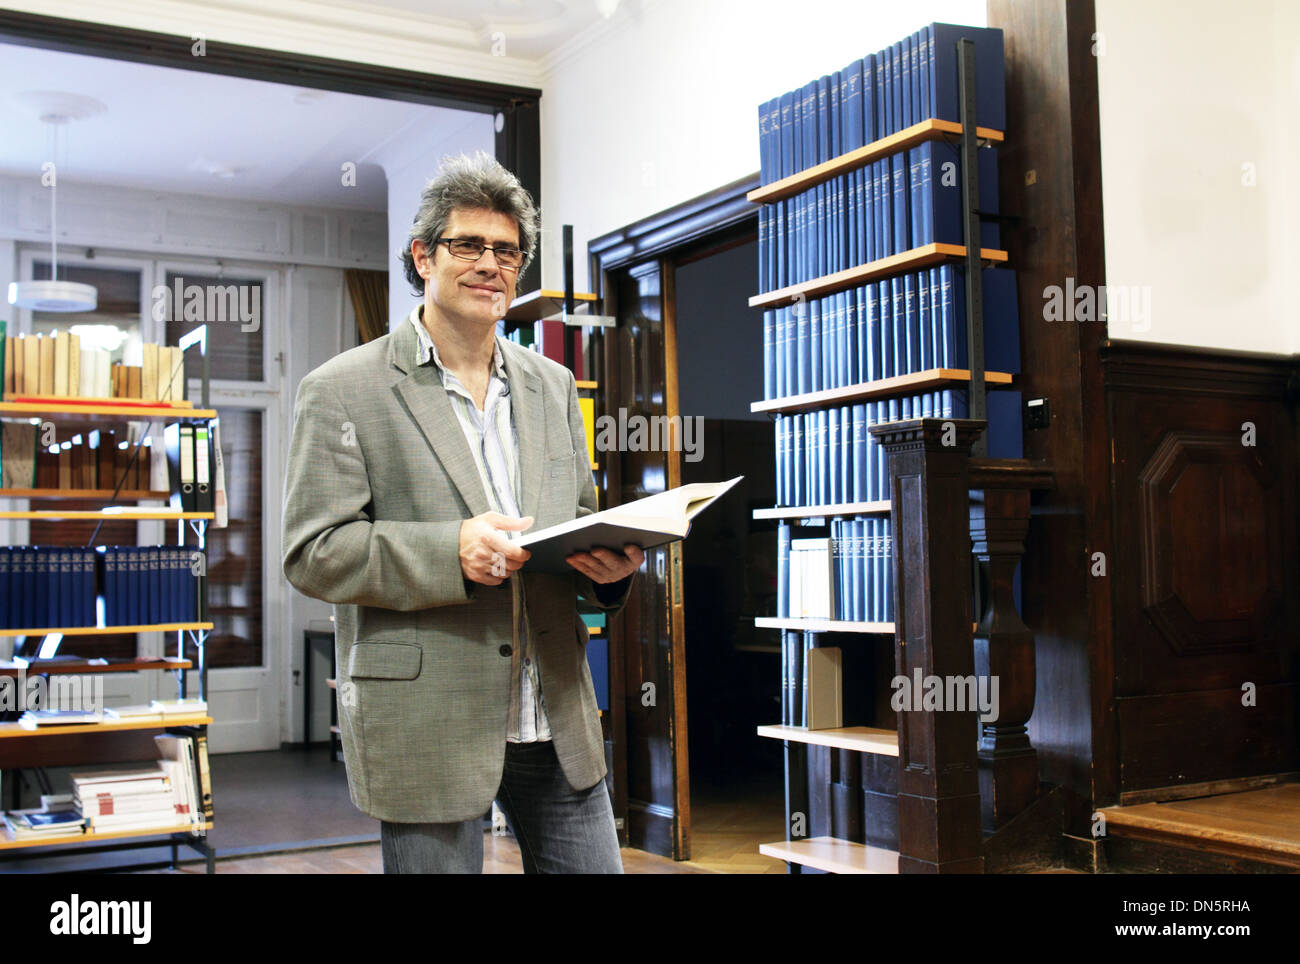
557,467
385,660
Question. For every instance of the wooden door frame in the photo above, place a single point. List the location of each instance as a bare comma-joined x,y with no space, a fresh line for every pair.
659,243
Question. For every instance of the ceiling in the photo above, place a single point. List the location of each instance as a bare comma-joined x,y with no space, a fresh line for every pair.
191,132
526,29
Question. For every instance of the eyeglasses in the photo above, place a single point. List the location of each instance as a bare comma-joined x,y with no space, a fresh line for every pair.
507,255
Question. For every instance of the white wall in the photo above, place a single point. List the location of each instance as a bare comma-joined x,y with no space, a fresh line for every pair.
664,107
1190,93
408,164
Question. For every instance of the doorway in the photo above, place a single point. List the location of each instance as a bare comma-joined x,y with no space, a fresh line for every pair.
689,768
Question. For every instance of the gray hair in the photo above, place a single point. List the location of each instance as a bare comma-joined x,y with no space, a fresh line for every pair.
470,182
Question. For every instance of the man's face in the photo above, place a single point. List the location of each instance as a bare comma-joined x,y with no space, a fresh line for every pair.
469,292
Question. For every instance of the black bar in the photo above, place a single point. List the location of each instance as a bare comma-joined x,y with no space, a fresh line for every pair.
569,360
796,793
970,199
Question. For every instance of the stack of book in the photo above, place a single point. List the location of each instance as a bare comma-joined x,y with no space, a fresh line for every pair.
43,587
33,825
56,365
142,799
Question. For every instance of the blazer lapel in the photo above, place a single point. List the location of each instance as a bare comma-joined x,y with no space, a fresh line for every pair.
530,427
427,402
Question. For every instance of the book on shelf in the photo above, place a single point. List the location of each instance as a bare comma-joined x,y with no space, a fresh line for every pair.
32,719
37,823
188,706
650,522
180,763
55,365
846,577
139,713
46,587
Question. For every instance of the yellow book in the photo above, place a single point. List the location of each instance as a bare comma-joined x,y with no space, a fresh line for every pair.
74,363
44,373
20,350
32,372
60,339
149,371
588,408
10,361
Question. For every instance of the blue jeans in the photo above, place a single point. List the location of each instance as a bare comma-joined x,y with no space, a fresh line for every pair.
559,830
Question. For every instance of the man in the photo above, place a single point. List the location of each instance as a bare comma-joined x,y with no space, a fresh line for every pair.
415,458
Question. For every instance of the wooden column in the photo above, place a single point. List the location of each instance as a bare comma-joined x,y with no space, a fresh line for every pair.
1004,645
938,788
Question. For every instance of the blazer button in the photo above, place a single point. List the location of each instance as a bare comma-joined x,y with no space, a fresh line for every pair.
505,650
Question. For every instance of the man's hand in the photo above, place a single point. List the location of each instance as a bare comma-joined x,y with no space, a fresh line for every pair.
486,555
605,566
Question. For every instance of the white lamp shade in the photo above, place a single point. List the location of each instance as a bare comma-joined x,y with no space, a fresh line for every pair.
53,296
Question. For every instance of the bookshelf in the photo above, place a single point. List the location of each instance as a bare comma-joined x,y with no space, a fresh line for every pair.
82,515
823,236
879,388
833,855
23,747
913,260
863,739
931,129
110,630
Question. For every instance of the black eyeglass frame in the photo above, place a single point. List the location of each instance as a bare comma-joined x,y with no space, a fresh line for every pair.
485,247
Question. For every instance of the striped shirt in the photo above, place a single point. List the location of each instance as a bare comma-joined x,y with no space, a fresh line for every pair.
490,434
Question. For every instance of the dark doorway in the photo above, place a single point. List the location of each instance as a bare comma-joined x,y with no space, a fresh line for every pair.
733,669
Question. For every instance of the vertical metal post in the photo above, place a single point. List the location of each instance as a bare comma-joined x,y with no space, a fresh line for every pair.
568,296
970,199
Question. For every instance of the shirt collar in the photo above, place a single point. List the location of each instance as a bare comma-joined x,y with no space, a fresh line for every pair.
427,351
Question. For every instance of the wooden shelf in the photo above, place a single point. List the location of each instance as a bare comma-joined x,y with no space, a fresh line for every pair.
913,260
9,842
833,855
105,630
926,130
57,400
824,511
105,514
17,731
125,495
925,381
543,303
864,739
54,667
823,625
101,409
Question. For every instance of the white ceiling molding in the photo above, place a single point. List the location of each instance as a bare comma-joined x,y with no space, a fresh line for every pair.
372,35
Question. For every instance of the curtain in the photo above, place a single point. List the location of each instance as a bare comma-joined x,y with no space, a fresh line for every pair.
369,291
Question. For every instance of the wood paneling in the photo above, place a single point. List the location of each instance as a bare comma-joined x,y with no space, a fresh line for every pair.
1204,572
1049,175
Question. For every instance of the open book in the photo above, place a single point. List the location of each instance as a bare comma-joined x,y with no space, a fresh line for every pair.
653,521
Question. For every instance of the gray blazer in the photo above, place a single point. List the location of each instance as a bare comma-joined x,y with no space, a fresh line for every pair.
379,479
